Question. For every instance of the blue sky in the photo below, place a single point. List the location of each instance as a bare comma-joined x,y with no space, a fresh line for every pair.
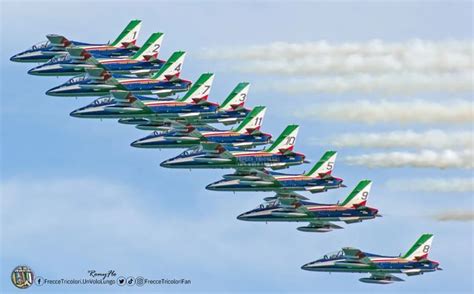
75,196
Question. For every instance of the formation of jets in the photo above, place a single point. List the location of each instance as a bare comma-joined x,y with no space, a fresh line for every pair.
136,88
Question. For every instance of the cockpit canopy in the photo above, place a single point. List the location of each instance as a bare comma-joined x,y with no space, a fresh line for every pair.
40,45
269,204
59,59
333,255
76,79
102,101
193,150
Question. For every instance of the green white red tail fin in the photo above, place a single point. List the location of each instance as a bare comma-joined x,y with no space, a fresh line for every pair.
324,167
420,249
359,195
200,89
172,68
236,98
286,141
253,121
151,49
128,37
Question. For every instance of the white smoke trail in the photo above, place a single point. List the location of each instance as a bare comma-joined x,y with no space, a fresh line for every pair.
403,112
423,159
439,185
368,57
437,139
464,216
391,83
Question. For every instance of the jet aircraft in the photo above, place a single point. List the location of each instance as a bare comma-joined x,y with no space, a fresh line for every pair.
352,260
292,207
143,62
230,112
56,45
193,107
318,179
246,135
98,82
212,155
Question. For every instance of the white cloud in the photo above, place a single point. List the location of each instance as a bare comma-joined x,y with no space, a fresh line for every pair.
423,159
438,185
403,112
407,83
438,139
462,216
374,56
366,67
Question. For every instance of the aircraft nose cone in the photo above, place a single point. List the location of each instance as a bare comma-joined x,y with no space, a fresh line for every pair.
212,187
243,216
14,58
137,144
165,163
53,91
32,71
305,267
75,113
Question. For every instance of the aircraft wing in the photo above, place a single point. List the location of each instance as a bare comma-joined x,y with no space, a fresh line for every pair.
256,177
290,199
78,53
128,99
58,40
185,129
101,74
356,254
216,149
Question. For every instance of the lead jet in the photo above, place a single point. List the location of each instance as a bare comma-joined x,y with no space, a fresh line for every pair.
98,82
230,112
143,62
292,207
211,155
124,45
318,179
352,260
246,135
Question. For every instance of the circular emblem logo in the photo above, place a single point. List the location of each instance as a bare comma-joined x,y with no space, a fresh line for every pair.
22,277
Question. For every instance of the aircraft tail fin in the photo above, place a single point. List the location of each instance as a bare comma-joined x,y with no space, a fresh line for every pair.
253,121
236,98
199,90
420,249
151,48
324,167
286,141
128,37
172,68
359,195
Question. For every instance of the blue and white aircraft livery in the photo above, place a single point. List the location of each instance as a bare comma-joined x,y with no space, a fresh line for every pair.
381,267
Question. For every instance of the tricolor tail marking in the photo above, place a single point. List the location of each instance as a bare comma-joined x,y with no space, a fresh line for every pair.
420,249
151,49
200,89
253,121
172,67
324,167
129,35
286,141
359,195
236,98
